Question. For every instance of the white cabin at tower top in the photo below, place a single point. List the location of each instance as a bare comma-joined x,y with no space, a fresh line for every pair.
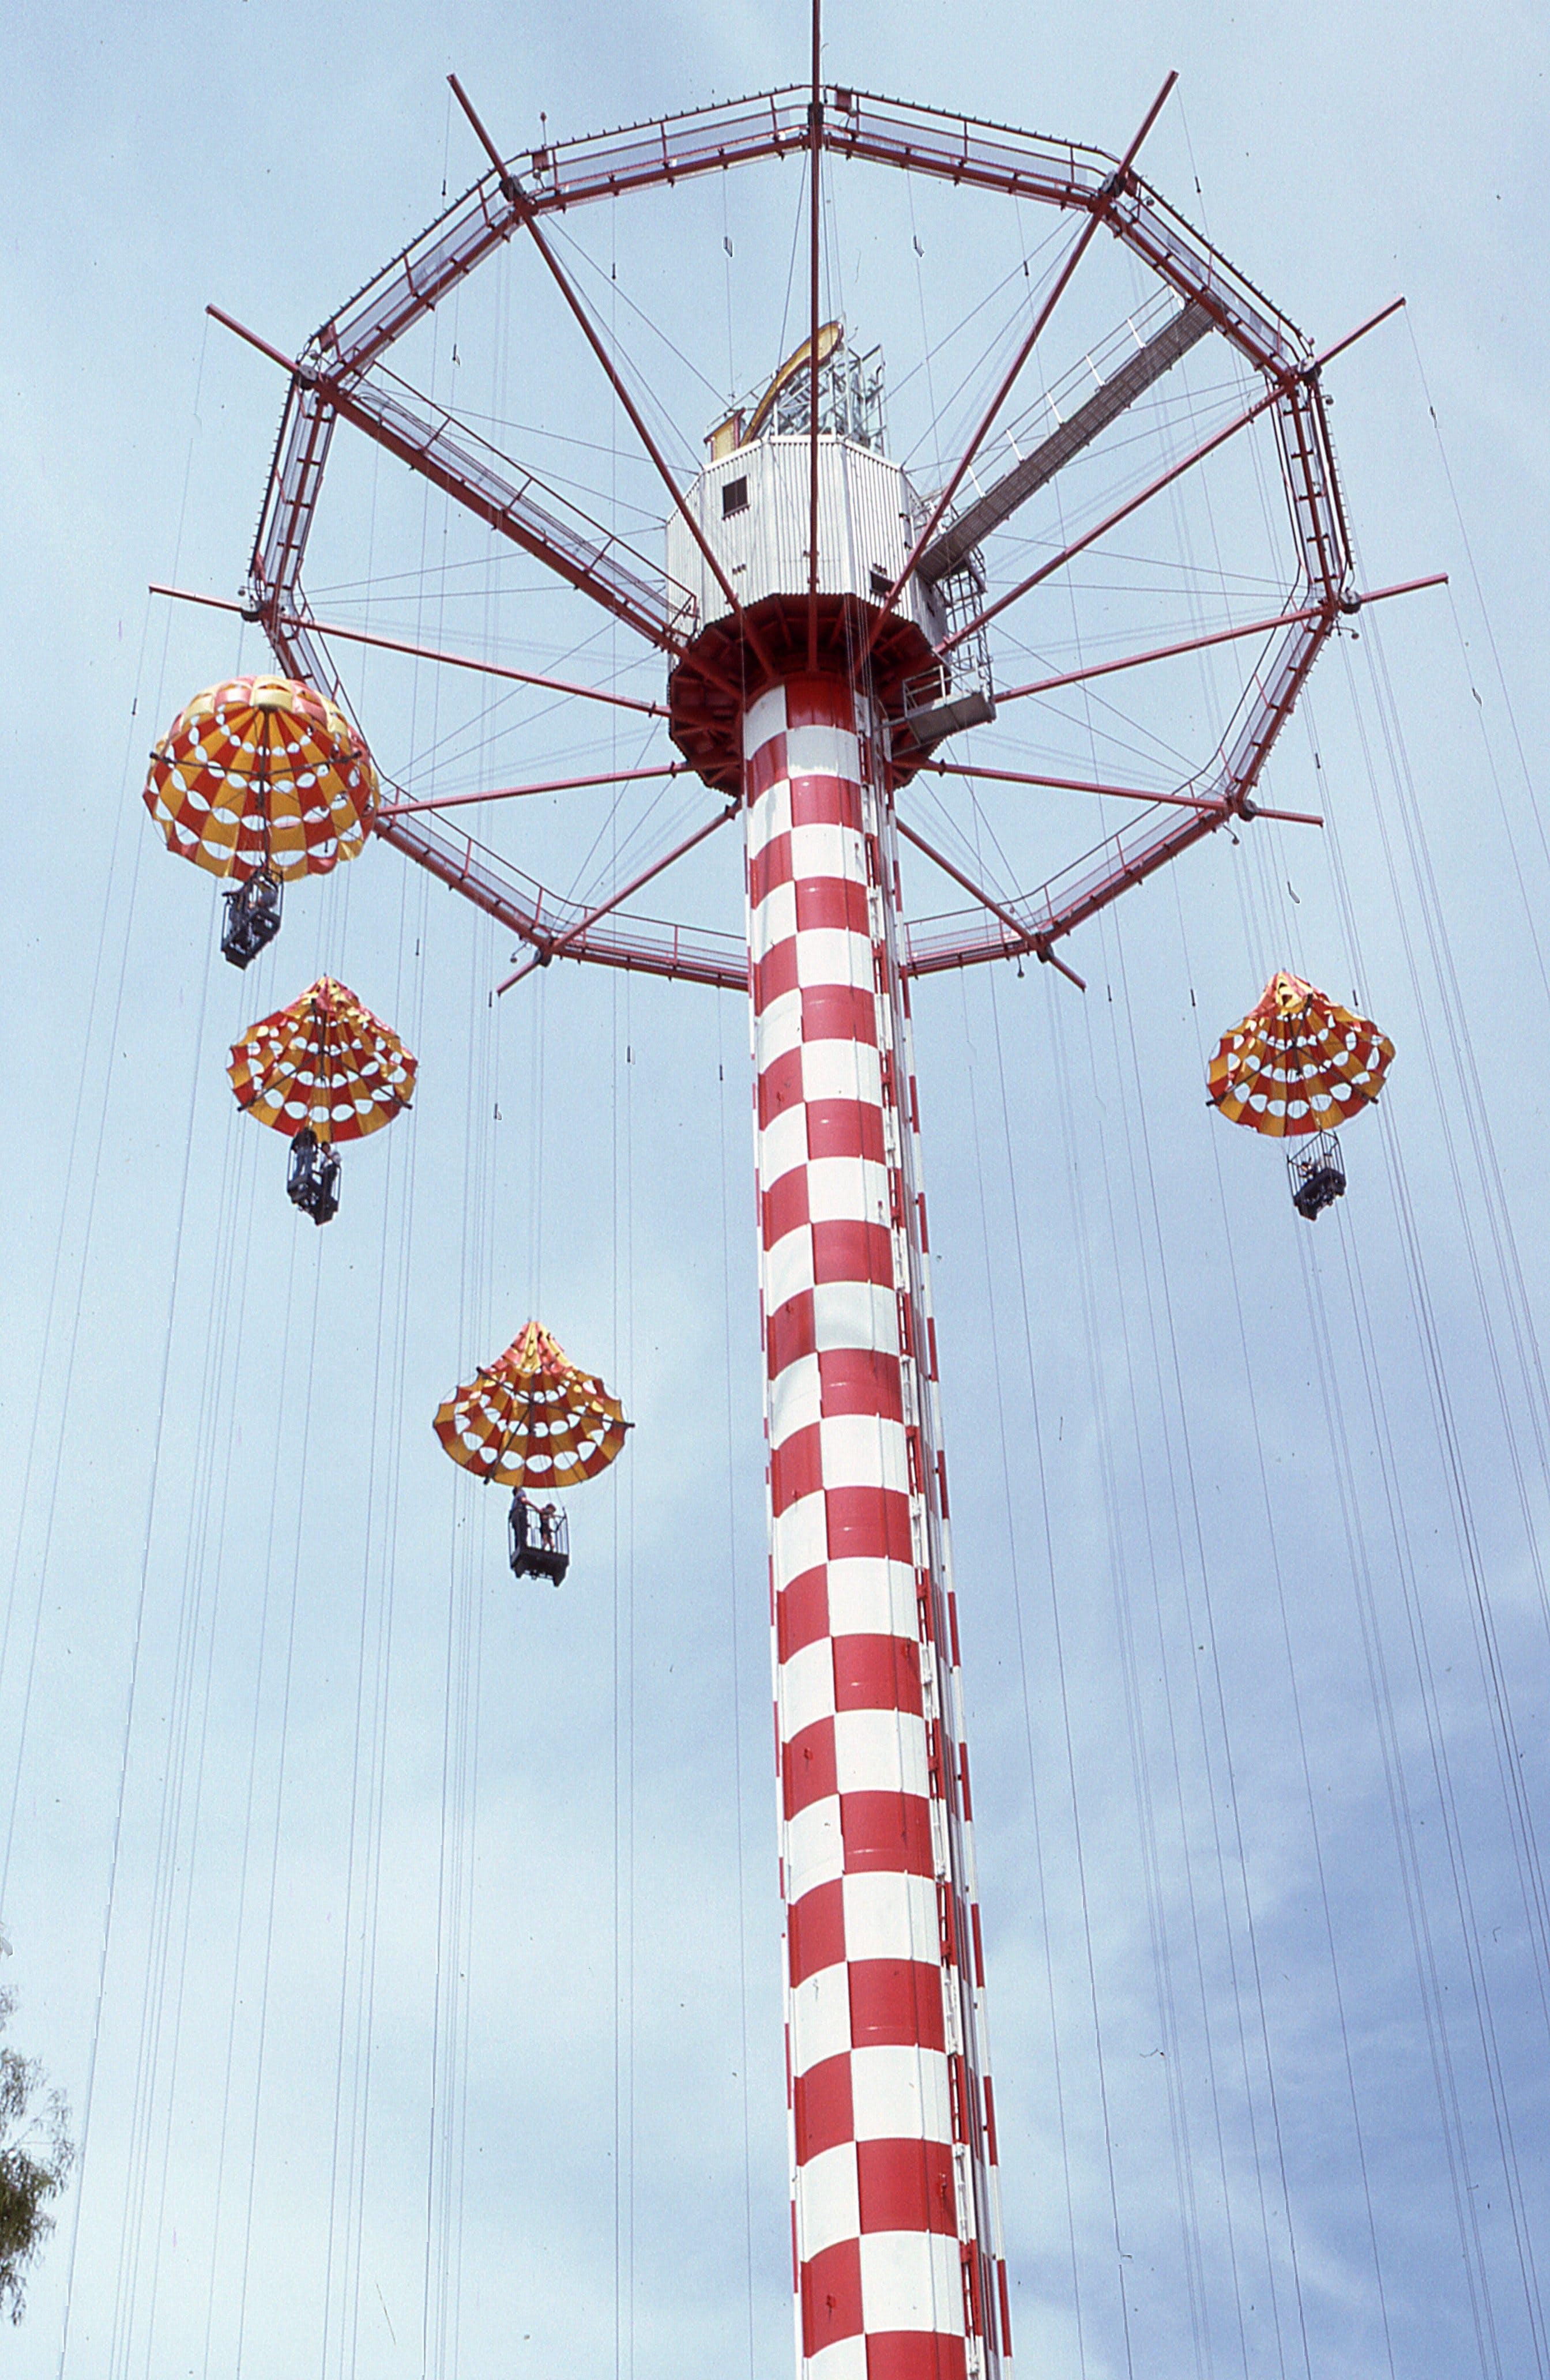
753,505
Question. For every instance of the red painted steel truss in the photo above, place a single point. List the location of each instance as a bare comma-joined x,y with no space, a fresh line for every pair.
341,375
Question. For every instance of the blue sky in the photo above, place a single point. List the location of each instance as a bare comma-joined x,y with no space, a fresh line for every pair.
438,2021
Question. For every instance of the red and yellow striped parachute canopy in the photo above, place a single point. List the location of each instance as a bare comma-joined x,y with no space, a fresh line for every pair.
262,773
531,1419
1297,1063
326,1062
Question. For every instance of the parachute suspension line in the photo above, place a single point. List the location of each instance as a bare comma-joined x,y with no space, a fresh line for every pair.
137,1647
1140,1756
1179,2115
125,820
439,2292
260,1669
733,1600
1509,1271
101,978
456,1962
991,1270
623,1703
1273,1543
1452,1469
101,1097
1467,1068
623,1596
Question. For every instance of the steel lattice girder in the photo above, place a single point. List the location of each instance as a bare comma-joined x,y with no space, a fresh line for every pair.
329,381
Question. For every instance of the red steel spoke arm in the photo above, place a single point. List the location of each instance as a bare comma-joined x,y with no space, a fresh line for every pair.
578,931
1214,637
432,653
1025,937
519,792
967,153
562,175
1071,785
616,381
1217,802
1097,216
577,549
638,946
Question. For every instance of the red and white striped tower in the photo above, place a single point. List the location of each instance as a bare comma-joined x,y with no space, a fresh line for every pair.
900,2264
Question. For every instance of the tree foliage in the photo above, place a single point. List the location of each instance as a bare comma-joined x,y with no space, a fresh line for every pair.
36,2154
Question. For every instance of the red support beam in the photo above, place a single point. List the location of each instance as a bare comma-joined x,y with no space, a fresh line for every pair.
578,931
1213,637
1112,521
1070,785
519,792
431,653
616,381
636,946
578,550
1026,937
1217,802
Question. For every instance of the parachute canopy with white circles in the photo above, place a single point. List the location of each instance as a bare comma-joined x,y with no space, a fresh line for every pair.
532,1419
263,775
324,1064
1299,1062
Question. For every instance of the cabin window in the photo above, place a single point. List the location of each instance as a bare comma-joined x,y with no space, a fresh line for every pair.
734,497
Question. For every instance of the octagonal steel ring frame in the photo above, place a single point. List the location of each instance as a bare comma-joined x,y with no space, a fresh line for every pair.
337,378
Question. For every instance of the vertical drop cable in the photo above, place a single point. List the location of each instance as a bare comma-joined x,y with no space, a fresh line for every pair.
1015,1567
287,1675
1090,1958
136,1649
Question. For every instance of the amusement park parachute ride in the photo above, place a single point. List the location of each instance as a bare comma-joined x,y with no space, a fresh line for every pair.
826,627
